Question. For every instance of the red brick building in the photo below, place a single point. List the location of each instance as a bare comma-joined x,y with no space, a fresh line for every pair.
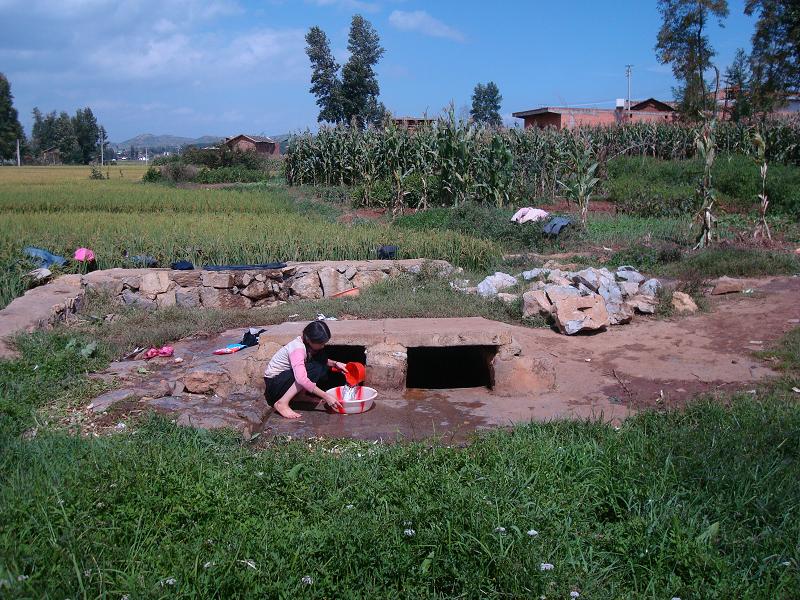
254,143
561,117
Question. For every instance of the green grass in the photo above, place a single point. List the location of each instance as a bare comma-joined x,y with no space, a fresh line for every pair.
248,225
694,504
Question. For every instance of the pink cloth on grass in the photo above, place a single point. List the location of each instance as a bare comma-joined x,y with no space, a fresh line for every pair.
528,214
84,255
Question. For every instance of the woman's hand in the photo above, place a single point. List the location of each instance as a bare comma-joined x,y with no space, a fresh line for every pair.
332,402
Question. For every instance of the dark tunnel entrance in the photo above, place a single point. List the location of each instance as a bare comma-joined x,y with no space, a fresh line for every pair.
448,367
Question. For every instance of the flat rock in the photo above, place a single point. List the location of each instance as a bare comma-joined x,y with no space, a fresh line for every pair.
222,298
217,279
307,287
728,285
187,278
683,303
532,274
507,298
491,285
629,288
628,273
580,313
643,304
187,297
205,379
558,292
256,290
535,302
333,282
154,282
651,287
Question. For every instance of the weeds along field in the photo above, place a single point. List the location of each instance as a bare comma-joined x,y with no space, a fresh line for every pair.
61,209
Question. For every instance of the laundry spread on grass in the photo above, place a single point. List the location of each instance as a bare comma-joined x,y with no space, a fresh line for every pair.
529,215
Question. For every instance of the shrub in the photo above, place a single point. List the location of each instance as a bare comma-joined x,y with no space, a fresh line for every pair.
646,199
179,172
231,175
152,175
165,160
96,173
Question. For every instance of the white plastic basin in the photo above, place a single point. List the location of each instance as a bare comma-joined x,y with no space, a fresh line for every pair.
363,401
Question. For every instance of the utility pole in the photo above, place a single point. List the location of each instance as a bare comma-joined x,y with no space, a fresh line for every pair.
19,162
628,73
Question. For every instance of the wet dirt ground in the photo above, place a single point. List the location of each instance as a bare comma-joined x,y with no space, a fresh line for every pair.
649,364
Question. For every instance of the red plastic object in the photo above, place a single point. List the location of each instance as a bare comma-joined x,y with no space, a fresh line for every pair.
354,373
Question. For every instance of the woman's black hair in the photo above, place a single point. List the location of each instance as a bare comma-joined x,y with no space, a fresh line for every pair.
317,332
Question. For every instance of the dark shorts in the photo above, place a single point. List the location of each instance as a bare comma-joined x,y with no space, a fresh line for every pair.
316,368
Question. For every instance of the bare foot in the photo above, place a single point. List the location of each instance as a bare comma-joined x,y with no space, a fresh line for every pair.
285,411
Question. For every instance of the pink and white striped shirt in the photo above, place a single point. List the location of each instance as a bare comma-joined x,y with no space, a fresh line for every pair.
292,356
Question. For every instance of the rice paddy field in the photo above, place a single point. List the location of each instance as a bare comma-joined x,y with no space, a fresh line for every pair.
61,209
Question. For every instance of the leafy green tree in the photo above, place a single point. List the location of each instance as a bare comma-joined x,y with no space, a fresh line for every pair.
737,81
43,134
325,83
360,89
486,102
87,134
683,43
66,139
10,128
349,97
775,57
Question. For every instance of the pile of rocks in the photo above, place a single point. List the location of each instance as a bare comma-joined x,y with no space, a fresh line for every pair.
158,288
584,300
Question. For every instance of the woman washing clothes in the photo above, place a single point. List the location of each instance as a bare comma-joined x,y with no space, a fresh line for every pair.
297,367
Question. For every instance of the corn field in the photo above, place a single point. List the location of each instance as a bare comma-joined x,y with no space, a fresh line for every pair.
451,161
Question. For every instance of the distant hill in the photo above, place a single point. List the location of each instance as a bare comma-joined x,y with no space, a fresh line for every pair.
148,140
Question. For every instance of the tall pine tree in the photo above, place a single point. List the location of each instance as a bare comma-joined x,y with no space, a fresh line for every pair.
738,84
352,95
325,83
683,43
10,128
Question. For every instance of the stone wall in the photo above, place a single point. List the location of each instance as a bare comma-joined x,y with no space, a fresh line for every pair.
156,288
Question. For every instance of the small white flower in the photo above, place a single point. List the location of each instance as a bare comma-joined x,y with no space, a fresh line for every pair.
87,573
546,567
100,504
307,580
349,507
125,597
409,532
786,564
533,532
574,595
22,577
168,581
120,426
500,530
248,563
208,565
407,523
675,598
260,474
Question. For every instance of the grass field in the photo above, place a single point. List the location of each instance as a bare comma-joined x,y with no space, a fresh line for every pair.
60,209
694,504
700,503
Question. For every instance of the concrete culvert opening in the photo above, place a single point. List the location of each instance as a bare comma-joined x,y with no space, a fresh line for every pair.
344,354
450,367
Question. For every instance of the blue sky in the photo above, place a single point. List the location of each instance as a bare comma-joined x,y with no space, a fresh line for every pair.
195,67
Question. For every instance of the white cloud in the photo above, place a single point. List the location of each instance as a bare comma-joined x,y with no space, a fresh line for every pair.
421,22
